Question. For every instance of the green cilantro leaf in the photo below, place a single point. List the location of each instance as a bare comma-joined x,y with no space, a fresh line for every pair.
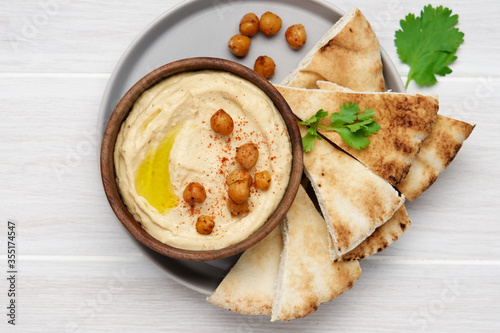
314,120
347,114
428,44
308,141
371,128
312,133
367,114
352,125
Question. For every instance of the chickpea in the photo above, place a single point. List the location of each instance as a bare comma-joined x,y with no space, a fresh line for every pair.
249,24
247,155
235,209
238,175
263,180
239,191
239,45
221,122
194,193
205,224
269,23
265,66
296,36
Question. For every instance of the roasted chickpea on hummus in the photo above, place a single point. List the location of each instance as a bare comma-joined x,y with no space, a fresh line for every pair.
167,142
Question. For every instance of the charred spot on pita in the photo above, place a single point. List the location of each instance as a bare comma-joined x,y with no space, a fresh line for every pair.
402,146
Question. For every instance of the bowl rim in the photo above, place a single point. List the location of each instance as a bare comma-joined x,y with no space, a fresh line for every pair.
122,110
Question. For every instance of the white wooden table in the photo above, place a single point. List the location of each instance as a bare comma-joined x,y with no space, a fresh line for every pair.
78,271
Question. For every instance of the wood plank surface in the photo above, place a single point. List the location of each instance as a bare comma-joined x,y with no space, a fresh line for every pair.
131,296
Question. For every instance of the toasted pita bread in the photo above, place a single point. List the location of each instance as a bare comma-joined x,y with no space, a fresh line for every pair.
354,201
307,277
385,235
348,54
438,150
327,85
249,286
405,120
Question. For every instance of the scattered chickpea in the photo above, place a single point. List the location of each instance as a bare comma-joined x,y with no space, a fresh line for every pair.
269,23
222,123
249,25
265,66
205,224
239,191
239,45
194,193
235,209
296,36
239,175
247,155
263,180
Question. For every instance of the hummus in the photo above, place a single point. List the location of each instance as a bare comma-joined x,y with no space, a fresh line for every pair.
166,142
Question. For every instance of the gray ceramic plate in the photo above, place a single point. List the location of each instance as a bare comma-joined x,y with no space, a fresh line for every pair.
202,28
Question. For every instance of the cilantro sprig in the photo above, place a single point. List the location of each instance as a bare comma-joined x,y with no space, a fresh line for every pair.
352,125
428,43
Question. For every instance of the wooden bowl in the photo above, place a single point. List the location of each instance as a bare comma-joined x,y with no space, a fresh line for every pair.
120,113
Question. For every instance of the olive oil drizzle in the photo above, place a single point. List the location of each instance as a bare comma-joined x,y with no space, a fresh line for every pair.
152,180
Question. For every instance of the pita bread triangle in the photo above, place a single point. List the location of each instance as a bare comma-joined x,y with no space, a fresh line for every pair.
387,233
327,85
405,120
438,149
354,201
380,239
307,277
348,54
249,286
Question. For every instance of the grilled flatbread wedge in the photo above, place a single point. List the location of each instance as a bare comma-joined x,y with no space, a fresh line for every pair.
438,149
385,235
354,201
327,85
249,286
405,120
307,277
348,54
